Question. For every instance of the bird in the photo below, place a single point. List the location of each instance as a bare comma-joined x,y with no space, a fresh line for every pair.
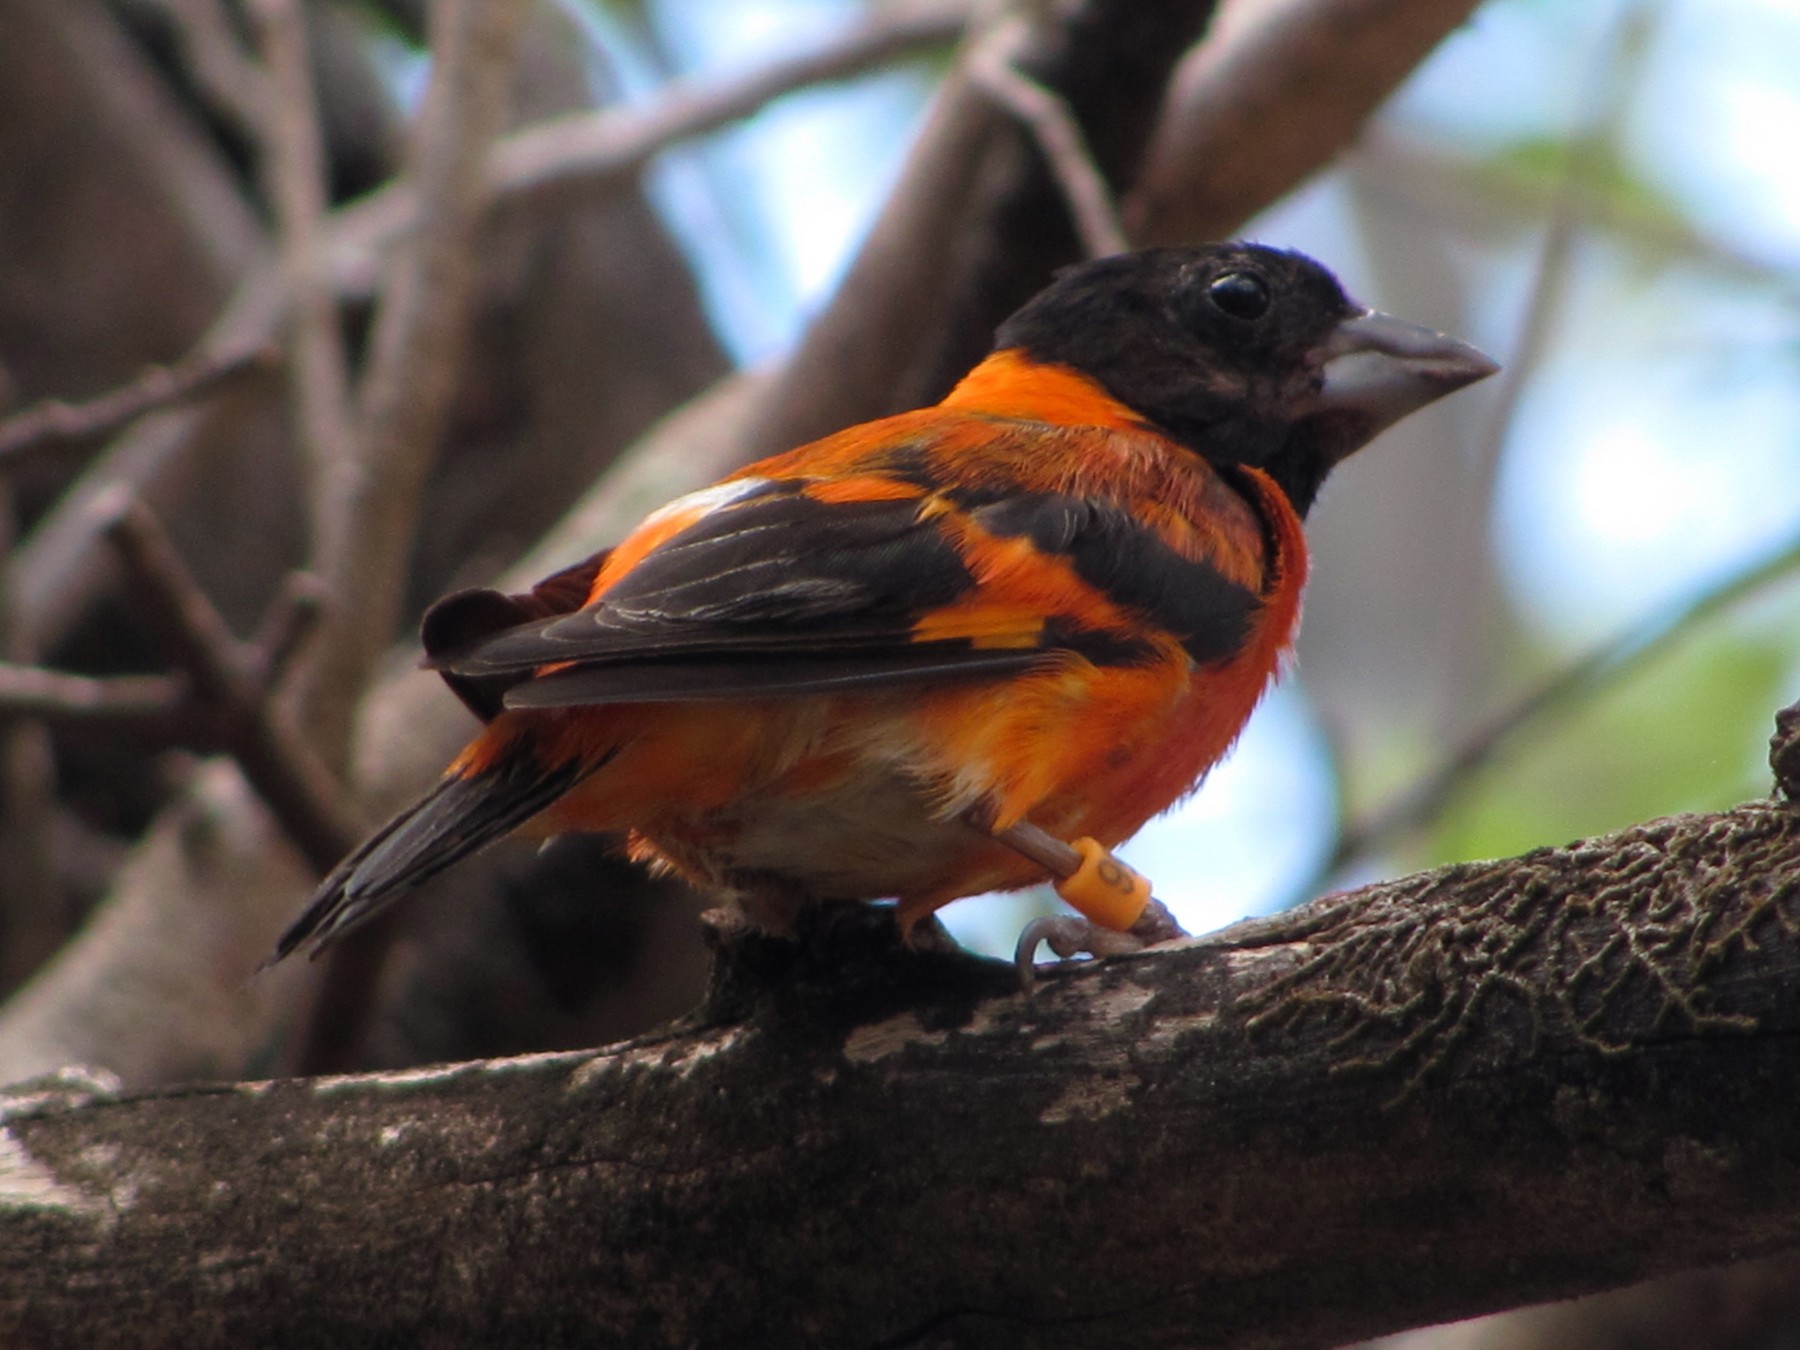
966,648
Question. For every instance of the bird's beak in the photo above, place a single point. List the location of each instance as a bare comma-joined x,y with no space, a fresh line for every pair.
1378,369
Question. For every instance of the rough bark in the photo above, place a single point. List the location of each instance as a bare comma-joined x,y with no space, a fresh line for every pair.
1490,1084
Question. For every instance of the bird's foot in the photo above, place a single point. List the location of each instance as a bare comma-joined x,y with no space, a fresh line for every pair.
1117,912
1070,936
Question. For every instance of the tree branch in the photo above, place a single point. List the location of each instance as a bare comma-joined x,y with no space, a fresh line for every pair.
1273,1135
32,691
30,891
610,142
1270,100
294,176
230,705
54,421
1425,800
368,509
235,86
1063,147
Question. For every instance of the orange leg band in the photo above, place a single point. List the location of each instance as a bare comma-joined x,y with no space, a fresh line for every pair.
1103,889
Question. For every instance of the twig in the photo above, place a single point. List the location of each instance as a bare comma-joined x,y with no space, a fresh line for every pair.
289,621
54,696
294,175
1427,799
231,81
1046,115
229,684
45,423
1591,150
614,141
364,521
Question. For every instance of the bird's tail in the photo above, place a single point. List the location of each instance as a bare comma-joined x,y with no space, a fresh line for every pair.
460,815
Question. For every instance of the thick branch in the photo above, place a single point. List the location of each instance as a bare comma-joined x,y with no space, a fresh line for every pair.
1270,101
1274,1137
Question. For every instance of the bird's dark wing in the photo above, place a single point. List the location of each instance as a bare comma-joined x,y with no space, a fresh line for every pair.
463,621
783,592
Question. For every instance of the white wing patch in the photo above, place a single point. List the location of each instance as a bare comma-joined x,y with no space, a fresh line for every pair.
697,504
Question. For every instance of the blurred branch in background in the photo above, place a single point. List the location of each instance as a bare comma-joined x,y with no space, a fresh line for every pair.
1059,140
214,57
600,148
1280,92
229,696
295,180
51,423
616,142
1439,791
1452,497
370,461
368,505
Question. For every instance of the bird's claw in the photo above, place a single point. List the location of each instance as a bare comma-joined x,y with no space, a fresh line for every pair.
1070,935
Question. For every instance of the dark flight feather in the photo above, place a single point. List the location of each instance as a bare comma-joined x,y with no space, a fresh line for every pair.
783,595
452,821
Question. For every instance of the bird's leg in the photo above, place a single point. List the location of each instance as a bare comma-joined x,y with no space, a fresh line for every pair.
1117,912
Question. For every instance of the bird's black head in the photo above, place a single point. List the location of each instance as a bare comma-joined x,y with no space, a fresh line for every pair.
1248,355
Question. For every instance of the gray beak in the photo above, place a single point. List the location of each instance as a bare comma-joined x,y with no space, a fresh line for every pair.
1379,368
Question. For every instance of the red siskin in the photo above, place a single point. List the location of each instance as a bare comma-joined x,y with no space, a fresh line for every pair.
962,649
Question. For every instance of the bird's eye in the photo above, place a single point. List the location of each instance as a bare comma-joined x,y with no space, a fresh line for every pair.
1240,294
